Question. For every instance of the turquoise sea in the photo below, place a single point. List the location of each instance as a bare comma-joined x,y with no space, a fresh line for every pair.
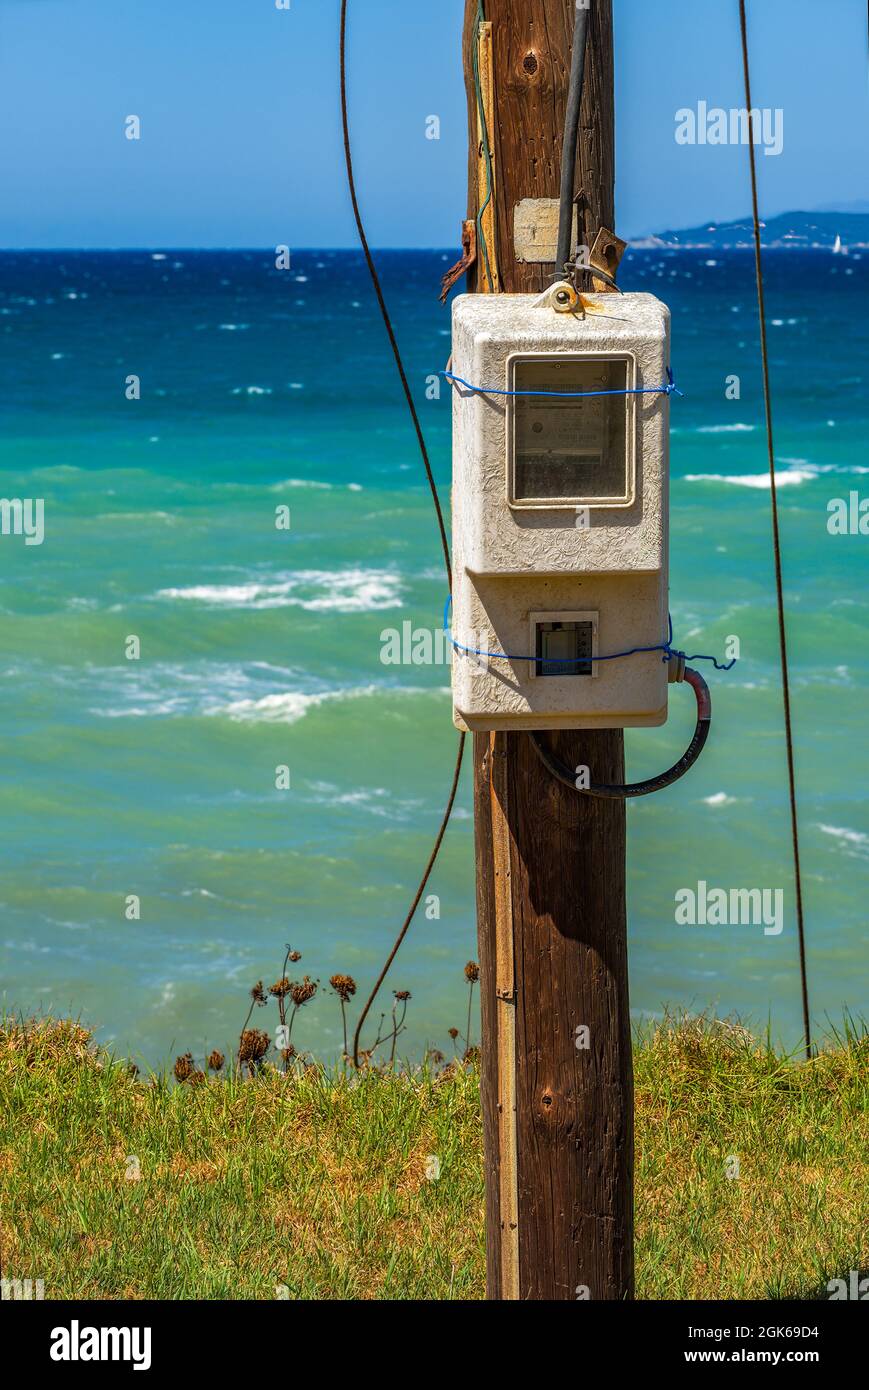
261,647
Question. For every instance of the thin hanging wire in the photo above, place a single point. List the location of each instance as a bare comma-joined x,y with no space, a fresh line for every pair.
375,280
776,537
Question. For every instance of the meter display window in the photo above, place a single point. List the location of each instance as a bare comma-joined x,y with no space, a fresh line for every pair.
564,648
575,451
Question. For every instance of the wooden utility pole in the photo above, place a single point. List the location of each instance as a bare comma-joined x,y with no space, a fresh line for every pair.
557,1079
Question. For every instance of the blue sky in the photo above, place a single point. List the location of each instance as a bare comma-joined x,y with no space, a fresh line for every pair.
241,135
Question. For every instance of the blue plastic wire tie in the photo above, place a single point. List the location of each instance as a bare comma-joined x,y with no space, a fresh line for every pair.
670,389
666,647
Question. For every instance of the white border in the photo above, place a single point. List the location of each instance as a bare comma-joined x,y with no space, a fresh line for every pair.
550,504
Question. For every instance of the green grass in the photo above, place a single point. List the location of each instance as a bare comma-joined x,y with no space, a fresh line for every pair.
318,1182
798,1213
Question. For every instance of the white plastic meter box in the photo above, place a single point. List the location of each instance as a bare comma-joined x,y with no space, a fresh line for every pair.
560,512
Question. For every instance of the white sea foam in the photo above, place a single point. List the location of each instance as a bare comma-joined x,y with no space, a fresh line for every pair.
289,706
375,801
227,594
172,517
286,708
853,842
300,482
725,429
169,689
147,711
786,477
801,470
316,591
720,799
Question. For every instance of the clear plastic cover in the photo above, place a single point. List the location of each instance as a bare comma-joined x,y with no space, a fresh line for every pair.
568,449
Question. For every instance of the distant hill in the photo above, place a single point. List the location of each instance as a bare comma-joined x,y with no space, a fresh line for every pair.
788,229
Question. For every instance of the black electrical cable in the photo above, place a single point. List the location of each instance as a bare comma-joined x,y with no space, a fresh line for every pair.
652,784
776,543
571,136
415,904
375,279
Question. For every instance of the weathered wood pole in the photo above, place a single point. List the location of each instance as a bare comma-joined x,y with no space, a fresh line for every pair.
557,1080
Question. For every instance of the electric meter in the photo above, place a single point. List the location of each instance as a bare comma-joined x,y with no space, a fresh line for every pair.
560,512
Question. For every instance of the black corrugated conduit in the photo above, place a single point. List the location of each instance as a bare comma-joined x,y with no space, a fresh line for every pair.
571,779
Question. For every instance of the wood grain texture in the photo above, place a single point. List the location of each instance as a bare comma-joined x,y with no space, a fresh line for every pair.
487,168
566,884
574,1105
532,44
487,952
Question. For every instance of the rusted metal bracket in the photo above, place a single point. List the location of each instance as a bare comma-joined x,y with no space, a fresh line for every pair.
467,259
605,255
